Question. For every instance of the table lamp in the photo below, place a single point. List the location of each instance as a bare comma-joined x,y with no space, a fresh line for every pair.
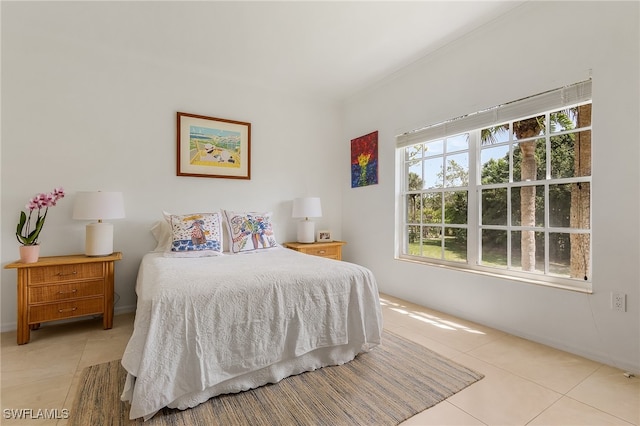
98,206
306,208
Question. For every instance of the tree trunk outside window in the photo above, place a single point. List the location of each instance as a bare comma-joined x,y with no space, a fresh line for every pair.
526,129
580,215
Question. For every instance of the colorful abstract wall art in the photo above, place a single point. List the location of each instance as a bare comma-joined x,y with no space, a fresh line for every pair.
364,160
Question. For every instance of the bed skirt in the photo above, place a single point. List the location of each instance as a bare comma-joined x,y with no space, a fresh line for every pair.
318,358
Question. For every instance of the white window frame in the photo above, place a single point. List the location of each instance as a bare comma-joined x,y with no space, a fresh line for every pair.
551,101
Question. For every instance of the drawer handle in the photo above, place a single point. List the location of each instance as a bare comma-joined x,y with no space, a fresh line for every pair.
60,274
67,310
322,251
68,291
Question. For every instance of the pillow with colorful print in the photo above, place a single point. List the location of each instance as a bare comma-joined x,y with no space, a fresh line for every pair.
195,235
249,231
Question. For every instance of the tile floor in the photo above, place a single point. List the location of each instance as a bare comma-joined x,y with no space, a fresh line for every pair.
525,383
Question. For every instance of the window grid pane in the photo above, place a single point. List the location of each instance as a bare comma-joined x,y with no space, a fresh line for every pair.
429,206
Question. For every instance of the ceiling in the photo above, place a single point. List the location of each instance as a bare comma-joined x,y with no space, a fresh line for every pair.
323,50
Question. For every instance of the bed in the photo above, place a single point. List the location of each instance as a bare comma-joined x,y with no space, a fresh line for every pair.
213,325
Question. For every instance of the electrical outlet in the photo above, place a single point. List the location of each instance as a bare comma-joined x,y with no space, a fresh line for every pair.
619,302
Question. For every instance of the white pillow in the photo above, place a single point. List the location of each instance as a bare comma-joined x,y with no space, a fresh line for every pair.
161,231
248,231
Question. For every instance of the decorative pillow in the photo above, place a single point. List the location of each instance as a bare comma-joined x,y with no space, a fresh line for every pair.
196,235
161,231
249,231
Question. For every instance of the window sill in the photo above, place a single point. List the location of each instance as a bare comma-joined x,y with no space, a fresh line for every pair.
509,277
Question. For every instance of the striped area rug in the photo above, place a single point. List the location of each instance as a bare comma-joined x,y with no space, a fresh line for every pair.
393,382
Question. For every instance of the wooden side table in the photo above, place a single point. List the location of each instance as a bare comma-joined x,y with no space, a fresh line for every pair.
61,287
329,249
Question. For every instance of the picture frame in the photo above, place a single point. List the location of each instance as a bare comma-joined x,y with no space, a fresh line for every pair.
324,236
213,147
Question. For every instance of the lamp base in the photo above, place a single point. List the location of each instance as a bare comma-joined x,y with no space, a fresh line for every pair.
99,239
306,232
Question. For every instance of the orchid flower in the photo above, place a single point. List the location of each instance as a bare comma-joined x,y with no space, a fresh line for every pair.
24,234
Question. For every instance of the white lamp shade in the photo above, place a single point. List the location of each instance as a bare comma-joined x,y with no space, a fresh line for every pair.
98,206
307,207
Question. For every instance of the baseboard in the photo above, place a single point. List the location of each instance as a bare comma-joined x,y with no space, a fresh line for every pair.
124,309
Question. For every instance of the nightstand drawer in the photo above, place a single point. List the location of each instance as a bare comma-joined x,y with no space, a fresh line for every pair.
61,273
328,249
331,252
52,293
54,311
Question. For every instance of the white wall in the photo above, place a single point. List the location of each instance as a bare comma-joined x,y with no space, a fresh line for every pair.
85,116
536,47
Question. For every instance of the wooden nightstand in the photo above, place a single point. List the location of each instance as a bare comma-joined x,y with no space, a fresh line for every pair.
330,249
61,287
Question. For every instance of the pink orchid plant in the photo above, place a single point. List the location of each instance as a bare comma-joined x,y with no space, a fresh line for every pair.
40,202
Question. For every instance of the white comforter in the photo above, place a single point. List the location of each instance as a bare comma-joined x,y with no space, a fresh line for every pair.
206,326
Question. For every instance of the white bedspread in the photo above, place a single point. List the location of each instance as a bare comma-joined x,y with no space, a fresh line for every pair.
206,326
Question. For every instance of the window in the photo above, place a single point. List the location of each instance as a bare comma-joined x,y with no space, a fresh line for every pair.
504,191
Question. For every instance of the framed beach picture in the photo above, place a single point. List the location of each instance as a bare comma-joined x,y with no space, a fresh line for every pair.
364,160
213,147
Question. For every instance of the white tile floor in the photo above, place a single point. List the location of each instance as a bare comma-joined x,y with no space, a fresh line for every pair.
525,383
